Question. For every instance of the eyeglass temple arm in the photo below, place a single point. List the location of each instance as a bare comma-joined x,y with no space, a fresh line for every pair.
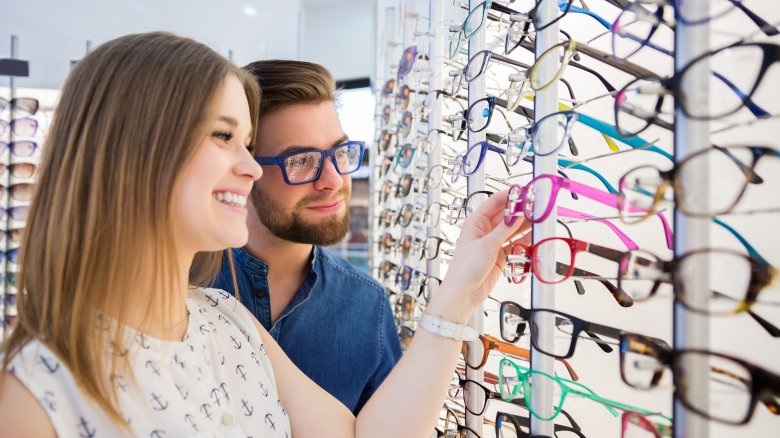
635,70
525,353
502,9
489,377
752,251
768,399
607,403
523,404
752,106
765,27
611,200
563,174
772,329
623,299
588,393
620,4
624,66
747,170
592,329
573,214
527,67
591,14
568,163
617,257
529,114
610,130
498,150
605,347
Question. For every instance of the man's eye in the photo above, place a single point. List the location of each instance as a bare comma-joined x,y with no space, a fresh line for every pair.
299,161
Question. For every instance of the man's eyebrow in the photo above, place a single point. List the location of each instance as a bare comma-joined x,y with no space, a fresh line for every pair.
289,149
344,138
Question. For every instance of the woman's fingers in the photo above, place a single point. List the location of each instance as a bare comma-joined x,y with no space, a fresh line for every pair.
487,212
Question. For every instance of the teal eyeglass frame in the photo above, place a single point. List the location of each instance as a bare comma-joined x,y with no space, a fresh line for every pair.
567,386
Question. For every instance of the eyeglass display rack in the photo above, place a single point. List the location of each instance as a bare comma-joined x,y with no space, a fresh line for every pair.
741,233
11,68
691,329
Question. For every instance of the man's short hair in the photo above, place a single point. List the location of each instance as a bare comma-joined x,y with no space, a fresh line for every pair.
287,82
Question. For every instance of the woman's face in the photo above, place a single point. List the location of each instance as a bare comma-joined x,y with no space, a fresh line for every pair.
210,200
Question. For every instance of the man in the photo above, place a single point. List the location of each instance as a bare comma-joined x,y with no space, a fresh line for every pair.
332,320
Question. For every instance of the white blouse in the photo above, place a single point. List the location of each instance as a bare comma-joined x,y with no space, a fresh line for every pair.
217,382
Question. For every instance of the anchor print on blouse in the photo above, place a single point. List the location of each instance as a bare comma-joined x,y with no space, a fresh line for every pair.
50,401
85,429
51,364
239,354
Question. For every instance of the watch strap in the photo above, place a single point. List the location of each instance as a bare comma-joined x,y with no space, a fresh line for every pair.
447,329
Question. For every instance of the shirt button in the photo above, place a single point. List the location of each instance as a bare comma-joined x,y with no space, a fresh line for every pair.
260,293
227,420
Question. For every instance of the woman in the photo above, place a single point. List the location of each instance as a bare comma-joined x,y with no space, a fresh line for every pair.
143,181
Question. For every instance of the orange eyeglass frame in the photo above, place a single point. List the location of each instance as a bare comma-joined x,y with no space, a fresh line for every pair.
491,343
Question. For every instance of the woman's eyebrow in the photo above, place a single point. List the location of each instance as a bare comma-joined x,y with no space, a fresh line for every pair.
229,120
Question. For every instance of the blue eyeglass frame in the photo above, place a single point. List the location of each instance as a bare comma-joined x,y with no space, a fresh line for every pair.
279,160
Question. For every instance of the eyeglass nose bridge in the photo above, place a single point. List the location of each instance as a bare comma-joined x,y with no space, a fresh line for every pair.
514,203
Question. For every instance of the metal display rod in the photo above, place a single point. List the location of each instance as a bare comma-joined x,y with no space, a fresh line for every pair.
387,46
543,295
436,56
691,330
476,182
12,68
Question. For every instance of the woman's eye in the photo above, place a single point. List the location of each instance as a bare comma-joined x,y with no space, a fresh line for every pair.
223,135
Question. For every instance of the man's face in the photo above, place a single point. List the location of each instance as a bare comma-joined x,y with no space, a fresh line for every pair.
314,213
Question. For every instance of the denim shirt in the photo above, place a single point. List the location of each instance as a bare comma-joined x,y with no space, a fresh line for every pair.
338,328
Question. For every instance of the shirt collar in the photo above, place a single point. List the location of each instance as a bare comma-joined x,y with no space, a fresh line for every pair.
246,261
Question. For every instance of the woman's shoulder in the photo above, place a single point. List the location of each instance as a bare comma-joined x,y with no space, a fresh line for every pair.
208,301
220,308
47,390
35,363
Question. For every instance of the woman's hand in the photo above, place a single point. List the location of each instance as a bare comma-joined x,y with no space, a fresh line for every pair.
479,260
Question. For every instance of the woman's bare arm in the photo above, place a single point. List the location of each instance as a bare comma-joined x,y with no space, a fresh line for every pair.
408,402
20,413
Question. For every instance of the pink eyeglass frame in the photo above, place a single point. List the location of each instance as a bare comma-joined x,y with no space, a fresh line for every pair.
516,202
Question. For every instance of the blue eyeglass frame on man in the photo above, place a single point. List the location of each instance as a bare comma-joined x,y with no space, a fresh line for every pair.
349,146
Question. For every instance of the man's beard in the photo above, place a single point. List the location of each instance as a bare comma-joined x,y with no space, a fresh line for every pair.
293,227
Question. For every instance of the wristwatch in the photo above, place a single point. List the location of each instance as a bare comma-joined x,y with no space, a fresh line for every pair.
447,329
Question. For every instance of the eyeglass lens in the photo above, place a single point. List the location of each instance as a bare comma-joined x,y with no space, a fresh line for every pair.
306,166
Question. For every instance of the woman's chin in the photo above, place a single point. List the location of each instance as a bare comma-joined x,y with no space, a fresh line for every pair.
235,241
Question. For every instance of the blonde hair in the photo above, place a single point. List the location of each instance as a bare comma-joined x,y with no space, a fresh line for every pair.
130,117
287,82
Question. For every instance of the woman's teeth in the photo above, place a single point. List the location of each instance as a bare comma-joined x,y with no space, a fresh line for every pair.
233,199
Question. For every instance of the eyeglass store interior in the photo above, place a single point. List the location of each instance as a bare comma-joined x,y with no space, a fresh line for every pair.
638,136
